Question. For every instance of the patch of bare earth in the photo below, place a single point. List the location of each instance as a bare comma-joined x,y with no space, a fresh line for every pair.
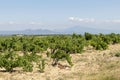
90,65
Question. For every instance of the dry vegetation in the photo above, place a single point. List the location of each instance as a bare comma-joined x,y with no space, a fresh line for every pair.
90,65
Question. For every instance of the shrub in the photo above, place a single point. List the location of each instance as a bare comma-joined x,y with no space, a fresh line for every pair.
41,65
25,64
117,54
60,54
8,60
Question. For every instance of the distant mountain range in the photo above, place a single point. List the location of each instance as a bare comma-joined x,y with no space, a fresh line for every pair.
28,32
82,30
75,29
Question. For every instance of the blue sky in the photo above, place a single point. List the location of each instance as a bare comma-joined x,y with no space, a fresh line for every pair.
59,14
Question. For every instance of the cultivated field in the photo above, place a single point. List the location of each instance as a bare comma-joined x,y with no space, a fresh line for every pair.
90,65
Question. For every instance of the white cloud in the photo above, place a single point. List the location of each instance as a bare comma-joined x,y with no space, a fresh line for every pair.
112,21
71,18
20,23
11,22
8,23
116,21
93,20
35,23
32,23
85,20
1,23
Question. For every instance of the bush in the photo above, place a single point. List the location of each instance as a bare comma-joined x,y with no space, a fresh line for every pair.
88,36
25,64
60,54
117,54
41,65
8,60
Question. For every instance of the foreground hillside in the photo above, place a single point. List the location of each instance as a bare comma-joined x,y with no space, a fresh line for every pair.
90,65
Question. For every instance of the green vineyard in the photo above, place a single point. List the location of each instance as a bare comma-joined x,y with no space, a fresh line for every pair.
55,47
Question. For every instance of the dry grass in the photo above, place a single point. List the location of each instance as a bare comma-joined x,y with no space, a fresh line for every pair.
91,65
